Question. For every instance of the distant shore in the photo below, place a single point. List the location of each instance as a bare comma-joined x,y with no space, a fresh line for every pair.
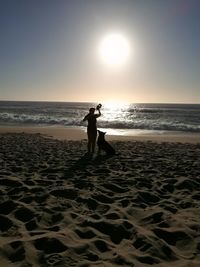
78,133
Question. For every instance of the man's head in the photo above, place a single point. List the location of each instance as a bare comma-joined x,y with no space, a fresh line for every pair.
92,110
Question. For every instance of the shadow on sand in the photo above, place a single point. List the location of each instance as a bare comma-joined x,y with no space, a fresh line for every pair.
80,166
79,172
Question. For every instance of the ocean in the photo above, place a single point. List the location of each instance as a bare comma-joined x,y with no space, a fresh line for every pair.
115,118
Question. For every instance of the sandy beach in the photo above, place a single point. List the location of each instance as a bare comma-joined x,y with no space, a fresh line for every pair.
60,207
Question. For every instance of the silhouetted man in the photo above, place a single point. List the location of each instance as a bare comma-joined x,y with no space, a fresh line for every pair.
91,117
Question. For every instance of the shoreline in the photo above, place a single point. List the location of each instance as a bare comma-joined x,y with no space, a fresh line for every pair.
76,133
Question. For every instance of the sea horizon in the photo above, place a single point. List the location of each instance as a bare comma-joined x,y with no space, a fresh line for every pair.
95,102
137,117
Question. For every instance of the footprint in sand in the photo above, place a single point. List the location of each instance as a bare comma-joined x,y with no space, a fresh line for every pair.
24,214
53,260
5,223
49,245
116,232
15,251
7,207
65,193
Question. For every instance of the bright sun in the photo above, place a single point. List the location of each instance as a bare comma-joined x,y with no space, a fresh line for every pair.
114,49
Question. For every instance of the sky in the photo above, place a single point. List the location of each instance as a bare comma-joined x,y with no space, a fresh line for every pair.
49,50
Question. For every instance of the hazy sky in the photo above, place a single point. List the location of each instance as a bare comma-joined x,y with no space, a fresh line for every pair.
49,50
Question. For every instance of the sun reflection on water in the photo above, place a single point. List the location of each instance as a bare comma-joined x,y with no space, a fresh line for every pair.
116,114
115,105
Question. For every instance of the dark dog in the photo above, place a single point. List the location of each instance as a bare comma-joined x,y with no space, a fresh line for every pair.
104,145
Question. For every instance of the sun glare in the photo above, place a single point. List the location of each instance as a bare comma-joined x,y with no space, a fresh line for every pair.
114,49
114,105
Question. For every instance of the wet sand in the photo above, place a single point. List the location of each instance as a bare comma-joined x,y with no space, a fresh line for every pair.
75,133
